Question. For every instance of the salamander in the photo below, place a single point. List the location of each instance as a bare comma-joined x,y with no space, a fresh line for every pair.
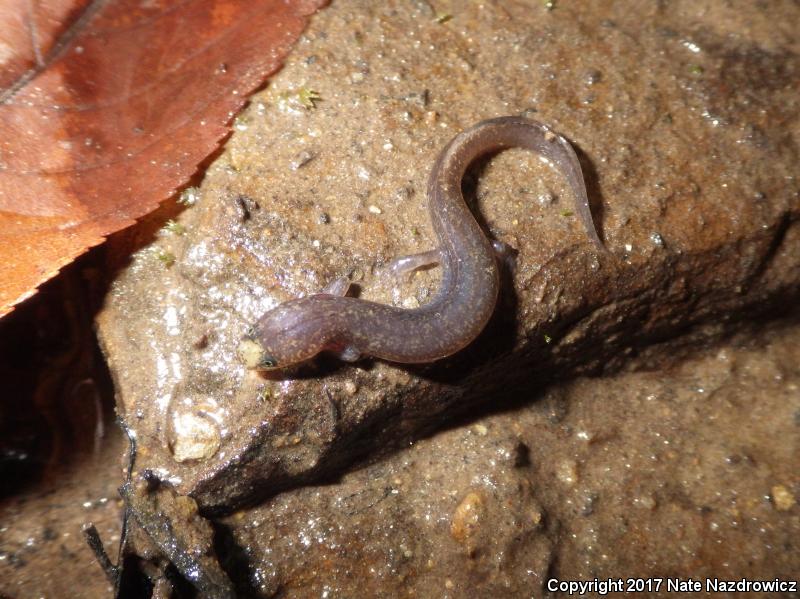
299,329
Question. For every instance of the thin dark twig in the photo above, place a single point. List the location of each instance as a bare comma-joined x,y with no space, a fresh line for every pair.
96,545
114,571
123,539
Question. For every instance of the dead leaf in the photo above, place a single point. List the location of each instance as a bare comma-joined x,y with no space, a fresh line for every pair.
106,107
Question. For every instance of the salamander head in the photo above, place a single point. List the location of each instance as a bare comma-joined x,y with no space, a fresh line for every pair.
254,356
284,336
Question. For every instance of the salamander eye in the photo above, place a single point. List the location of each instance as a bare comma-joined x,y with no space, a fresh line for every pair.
267,362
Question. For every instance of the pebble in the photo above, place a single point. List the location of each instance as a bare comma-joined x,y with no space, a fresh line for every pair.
567,472
782,498
480,429
193,437
467,517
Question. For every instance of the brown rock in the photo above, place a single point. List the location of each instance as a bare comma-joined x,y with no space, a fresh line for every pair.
689,139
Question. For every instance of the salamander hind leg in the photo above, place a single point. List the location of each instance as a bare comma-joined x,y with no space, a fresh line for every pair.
349,353
502,250
406,265
505,254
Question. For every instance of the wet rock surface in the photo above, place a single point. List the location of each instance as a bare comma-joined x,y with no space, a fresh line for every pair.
672,473
686,118
687,471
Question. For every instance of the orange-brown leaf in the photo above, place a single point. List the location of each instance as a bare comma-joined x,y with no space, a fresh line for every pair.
106,107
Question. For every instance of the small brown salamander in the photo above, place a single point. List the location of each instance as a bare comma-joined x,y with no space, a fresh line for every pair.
301,328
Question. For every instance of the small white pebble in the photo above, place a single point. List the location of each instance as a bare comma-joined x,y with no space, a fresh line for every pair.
545,199
374,209
481,430
411,303
567,472
782,498
645,501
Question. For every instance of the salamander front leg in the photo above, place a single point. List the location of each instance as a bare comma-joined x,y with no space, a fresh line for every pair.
337,287
406,265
